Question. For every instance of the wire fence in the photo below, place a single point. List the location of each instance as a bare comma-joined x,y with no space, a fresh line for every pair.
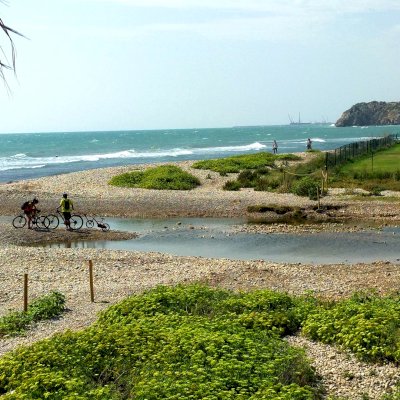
349,151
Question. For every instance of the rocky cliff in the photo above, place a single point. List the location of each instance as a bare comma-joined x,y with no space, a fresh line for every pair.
372,113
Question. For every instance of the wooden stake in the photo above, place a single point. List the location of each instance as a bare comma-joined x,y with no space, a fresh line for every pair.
91,281
25,292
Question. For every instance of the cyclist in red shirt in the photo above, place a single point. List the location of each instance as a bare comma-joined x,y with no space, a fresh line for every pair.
30,210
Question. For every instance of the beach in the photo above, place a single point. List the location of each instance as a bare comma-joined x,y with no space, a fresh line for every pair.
118,274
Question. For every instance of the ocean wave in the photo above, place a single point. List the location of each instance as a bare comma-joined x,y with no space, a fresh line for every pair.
223,149
21,160
318,140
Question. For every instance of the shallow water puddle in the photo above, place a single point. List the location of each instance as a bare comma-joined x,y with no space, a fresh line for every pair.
218,238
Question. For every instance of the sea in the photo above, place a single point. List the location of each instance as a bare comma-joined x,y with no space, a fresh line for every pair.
32,155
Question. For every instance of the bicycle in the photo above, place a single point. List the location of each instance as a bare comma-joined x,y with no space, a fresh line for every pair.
91,220
40,221
76,221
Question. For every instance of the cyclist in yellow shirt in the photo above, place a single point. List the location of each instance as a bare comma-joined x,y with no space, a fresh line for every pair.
66,206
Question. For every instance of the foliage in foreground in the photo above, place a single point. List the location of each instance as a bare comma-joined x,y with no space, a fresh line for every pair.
164,177
171,343
45,307
200,343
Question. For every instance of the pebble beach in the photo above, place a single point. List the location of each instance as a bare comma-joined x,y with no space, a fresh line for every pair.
118,274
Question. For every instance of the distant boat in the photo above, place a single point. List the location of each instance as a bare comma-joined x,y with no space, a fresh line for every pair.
292,122
299,122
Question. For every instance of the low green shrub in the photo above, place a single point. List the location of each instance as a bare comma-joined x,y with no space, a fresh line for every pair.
306,186
187,342
366,324
196,342
232,185
164,177
237,163
45,307
376,191
267,184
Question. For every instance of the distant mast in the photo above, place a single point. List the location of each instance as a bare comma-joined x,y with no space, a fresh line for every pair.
299,121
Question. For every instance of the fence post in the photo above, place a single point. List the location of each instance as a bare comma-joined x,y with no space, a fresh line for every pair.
25,292
91,281
372,161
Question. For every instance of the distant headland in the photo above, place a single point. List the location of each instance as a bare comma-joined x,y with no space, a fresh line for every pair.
372,113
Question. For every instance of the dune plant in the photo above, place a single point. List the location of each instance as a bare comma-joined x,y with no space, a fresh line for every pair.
43,308
164,177
366,324
182,342
239,163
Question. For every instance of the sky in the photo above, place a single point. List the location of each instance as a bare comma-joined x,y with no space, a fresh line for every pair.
167,64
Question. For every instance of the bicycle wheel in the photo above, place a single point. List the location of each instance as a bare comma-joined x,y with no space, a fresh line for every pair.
53,221
89,223
42,222
105,227
76,222
19,221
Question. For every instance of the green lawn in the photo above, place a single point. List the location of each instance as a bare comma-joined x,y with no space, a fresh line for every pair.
380,171
383,161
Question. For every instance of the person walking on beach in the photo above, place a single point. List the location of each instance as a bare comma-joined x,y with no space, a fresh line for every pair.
66,206
309,144
30,209
274,147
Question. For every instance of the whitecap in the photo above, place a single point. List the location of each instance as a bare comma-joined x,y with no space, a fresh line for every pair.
318,140
23,161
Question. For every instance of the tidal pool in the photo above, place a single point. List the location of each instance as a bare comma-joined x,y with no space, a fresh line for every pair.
218,238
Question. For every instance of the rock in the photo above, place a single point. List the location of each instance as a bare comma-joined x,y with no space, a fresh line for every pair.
372,113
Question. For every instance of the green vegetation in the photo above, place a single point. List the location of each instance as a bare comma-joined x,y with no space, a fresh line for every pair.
46,307
366,324
194,342
306,186
242,162
165,177
259,171
385,161
278,209
171,343
375,173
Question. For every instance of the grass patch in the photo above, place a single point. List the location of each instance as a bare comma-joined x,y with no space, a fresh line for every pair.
165,177
370,172
236,164
386,160
43,308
